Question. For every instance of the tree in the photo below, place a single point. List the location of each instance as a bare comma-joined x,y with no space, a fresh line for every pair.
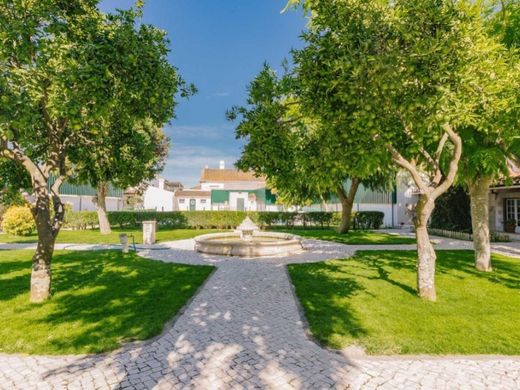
301,157
409,76
125,158
488,153
134,148
63,66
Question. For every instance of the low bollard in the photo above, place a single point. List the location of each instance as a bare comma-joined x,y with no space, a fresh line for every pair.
149,228
123,239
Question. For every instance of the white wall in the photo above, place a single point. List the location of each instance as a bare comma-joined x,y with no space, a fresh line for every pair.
158,199
85,203
201,204
496,209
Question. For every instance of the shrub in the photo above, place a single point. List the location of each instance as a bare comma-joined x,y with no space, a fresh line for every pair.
165,219
365,220
317,218
452,211
80,220
18,221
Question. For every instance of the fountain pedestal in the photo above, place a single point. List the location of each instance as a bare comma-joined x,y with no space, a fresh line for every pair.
248,241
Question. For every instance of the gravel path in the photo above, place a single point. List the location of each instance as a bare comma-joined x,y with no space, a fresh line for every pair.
244,330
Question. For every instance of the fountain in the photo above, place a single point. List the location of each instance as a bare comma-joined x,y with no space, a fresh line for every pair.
248,241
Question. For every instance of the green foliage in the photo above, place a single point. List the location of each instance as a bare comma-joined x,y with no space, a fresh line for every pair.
303,158
18,221
353,237
396,75
504,21
84,96
365,220
452,211
318,218
197,219
13,179
369,300
80,220
101,300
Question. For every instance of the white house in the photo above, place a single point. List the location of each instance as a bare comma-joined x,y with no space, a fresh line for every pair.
159,195
192,200
236,190
504,202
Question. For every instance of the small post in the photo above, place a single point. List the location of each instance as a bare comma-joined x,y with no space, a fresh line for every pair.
123,239
149,228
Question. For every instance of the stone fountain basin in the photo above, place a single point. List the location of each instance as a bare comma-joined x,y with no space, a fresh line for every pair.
262,244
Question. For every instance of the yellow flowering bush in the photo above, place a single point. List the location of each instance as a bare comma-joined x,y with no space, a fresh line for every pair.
18,221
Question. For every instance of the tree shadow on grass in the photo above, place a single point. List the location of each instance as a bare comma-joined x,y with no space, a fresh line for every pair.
383,263
506,272
103,298
316,289
14,275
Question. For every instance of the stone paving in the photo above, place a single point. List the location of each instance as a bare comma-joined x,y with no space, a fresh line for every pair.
244,330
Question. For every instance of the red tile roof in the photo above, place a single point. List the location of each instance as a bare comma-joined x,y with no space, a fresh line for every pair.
192,194
227,175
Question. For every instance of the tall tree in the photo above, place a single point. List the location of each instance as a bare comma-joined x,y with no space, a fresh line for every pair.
408,75
302,158
63,66
134,148
125,158
488,153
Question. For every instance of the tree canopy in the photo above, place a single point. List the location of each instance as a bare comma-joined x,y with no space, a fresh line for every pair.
74,79
406,81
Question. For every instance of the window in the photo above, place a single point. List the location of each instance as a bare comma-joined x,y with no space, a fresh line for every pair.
203,201
513,210
181,200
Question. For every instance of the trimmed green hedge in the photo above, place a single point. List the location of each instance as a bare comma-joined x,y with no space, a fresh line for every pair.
219,219
366,220
80,220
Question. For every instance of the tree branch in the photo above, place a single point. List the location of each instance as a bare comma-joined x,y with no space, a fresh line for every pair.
404,163
454,163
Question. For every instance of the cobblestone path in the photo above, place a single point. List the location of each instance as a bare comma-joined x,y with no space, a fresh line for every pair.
244,330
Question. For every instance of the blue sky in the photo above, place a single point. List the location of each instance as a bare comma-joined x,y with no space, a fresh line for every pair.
219,45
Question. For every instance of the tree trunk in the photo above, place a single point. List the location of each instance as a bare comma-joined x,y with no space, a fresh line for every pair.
425,251
479,196
347,202
101,208
48,229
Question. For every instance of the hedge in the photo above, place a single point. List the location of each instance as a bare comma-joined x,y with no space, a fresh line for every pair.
220,219
365,220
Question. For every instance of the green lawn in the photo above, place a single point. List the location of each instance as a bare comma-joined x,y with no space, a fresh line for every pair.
354,237
100,300
370,300
94,237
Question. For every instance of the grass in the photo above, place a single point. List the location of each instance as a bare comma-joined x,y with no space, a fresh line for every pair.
354,237
370,300
100,300
94,237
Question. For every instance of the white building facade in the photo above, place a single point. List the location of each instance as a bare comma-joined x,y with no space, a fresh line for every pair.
157,197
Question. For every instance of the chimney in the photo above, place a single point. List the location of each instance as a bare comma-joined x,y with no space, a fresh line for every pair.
222,164
161,183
